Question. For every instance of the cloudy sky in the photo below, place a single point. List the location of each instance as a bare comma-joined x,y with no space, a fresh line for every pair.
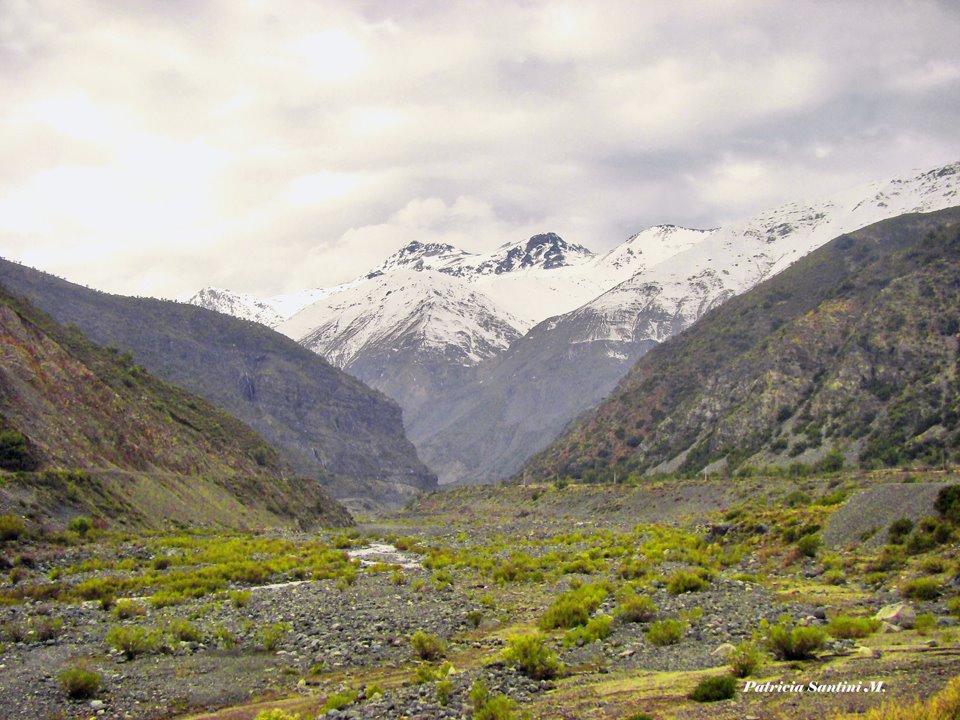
157,146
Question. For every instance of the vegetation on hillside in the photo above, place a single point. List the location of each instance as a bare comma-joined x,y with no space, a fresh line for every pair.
848,358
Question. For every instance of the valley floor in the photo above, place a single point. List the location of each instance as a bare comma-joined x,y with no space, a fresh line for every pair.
625,596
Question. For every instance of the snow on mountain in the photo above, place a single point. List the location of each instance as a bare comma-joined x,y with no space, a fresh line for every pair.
734,258
566,363
425,309
547,251
241,305
267,311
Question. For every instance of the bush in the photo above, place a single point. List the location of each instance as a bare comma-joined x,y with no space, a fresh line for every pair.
126,609
712,689
809,544
81,525
790,642
276,714
185,631
899,530
845,627
489,707
133,641
427,647
637,608
240,598
14,453
474,618
80,681
948,503
573,608
744,659
444,690
532,657
683,582
11,527
270,636
921,589
665,632
597,628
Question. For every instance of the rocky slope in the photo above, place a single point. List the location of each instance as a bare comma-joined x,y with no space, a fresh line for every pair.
88,431
326,424
851,355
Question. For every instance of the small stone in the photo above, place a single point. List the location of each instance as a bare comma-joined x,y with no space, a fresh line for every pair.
96,704
865,652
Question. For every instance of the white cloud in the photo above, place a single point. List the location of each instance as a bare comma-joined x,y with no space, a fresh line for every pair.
156,147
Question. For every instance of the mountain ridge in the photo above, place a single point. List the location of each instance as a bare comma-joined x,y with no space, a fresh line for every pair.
849,355
87,430
327,424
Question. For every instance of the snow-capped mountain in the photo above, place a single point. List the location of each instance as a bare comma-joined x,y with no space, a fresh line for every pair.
411,334
241,305
547,251
433,322
515,408
425,309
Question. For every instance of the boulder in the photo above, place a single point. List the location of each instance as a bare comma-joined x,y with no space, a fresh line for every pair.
899,614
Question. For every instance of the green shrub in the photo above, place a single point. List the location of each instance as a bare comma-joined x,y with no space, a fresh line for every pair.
474,618
444,690
427,647
665,632
277,714
954,606
924,623
487,706
921,589
794,642
846,627
637,608
80,681
269,637
712,689
166,598
574,607
339,700
597,628
744,659
14,453
185,631
125,609
133,641
899,530
683,582
948,503
240,598
530,655
834,577
81,525
11,527
809,544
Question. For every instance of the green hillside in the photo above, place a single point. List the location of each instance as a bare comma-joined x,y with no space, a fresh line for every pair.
326,424
86,431
848,357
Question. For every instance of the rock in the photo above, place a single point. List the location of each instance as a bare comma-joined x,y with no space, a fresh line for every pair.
96,704
946,622
888,628
723,650
865,652
898,614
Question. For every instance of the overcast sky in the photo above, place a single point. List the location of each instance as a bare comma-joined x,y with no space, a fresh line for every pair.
157,146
